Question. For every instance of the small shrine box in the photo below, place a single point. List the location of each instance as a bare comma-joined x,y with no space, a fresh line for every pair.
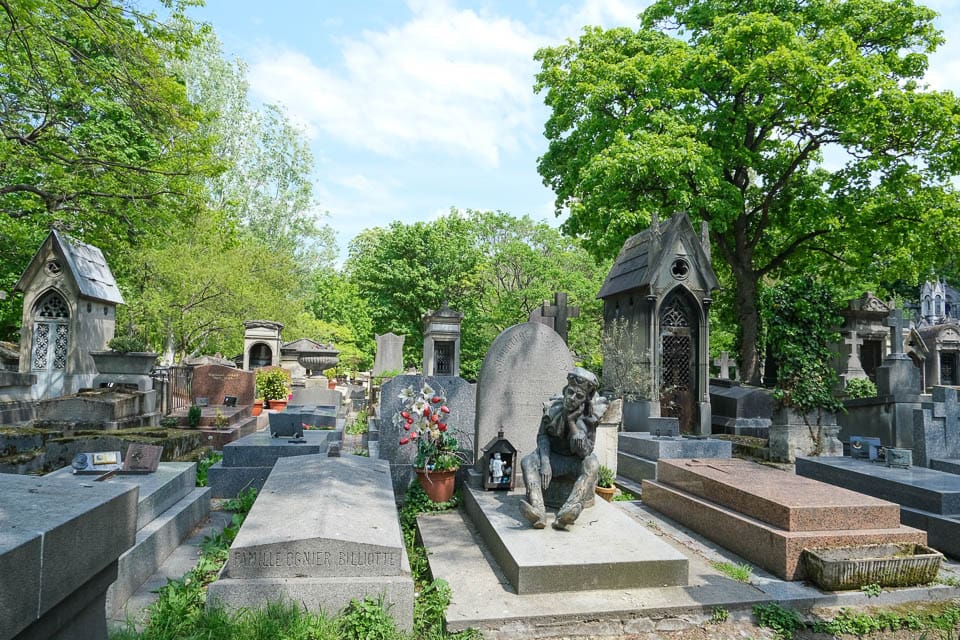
501,464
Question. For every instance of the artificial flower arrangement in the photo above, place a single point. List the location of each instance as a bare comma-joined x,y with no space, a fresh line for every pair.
423,420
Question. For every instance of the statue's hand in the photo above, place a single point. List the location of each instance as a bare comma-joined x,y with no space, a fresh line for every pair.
546,473
579,445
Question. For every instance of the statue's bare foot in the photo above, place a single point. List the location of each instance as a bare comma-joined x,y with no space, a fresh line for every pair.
535,517
567,516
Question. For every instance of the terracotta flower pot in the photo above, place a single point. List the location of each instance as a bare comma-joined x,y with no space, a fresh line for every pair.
257,407
438,485
606,492
278,405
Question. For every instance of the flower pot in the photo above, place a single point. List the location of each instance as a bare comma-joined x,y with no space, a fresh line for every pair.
331,384
606,492
278,405
438,485
130,363
257,407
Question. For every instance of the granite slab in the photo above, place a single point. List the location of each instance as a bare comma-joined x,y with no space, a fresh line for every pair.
775,549
652,447
604,549
779,498
262,450
916,487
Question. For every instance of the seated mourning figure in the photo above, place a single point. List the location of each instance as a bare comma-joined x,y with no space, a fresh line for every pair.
564,453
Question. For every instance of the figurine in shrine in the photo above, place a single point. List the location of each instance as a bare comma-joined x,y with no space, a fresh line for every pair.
507,470
496,468
564,448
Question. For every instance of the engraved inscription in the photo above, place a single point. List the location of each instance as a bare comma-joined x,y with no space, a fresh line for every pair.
315,558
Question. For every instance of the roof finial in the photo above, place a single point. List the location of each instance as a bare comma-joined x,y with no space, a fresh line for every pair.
655,223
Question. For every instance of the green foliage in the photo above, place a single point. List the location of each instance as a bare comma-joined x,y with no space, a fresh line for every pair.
359,424
204,464
860,388
272,383
220,421
872,590
243,502
367,619
628,368
169,422
785,622
605,477
194,414
799,316
624,496
129,343
719,615
724,109
739,572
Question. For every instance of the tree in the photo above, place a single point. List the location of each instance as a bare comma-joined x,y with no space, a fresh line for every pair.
798,129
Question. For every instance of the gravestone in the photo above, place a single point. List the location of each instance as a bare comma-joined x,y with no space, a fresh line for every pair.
557,315
461,400
215,381
724,364
936,428
389,353
320,543
525,366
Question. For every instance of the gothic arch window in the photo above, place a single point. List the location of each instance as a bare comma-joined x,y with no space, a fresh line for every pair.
938,306
926,305
51,333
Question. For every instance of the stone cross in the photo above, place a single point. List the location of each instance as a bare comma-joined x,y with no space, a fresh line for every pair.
854,342
561,313
895,322
724,363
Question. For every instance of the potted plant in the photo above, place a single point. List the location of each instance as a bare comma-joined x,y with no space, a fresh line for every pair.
331,375
423,421
605,488
128,354
257,407
273,384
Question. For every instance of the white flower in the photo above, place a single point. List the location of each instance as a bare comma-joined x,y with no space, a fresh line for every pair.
406,394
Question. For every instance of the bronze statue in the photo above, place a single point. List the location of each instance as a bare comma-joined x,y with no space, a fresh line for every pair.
565,450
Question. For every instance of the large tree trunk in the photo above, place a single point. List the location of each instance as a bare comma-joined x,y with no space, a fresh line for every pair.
745,304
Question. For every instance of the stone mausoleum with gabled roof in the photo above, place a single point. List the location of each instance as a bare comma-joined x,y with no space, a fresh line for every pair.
659,292
70,300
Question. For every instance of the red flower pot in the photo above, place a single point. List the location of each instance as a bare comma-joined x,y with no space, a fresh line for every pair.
438,485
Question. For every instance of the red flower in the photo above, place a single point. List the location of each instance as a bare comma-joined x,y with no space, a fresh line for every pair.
435,418
409,421
405,415
445,409
407,426
414,435
436,399
426,411
442,426
404,440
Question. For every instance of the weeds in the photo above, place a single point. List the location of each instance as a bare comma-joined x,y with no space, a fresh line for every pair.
739,572
203,467
624,496
719,616
872,590
359,424
784,622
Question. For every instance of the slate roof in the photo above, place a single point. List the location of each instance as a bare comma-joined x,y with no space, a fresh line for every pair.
630,271
86,264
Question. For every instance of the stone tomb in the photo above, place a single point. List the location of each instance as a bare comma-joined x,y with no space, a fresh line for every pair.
389,353
928,499
248,461
215,382
769,516
526,365
639,451
322,542
59,545
605,549
936,431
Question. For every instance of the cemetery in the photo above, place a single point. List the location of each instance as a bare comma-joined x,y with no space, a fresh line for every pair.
719,398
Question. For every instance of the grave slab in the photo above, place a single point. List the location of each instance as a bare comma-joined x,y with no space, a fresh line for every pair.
605,549
779,498
639,451
320,542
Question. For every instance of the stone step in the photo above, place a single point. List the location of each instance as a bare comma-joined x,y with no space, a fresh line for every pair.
917,487
651,447
635,467
159,491
943,464
779,498
775,549
155,542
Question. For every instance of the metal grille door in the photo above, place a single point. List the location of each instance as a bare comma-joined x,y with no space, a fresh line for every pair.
677,387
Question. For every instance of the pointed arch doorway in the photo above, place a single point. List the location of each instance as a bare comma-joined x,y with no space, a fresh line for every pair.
51,342
679,329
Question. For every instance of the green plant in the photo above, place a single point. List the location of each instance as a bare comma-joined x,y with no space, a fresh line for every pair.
330,373
872,590
605,477
784,622
193,416
738,572
130,343
204,464
360,451
719,615
359,425
860,388
272,383
624,496
243,502
367,619
628,367
422,420
169,422
220,421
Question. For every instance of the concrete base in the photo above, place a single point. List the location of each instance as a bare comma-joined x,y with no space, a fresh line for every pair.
604,549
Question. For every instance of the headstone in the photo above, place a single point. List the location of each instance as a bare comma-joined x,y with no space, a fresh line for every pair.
724,364
320,543
864,448
898,375
936,427
389,353
461,400
525,366
142,458
853,368
217,381
561,313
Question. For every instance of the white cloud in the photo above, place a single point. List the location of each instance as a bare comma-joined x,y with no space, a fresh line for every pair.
447,78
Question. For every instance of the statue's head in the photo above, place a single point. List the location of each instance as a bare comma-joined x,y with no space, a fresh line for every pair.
583,379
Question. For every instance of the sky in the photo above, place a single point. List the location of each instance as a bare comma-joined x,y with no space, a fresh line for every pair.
413,107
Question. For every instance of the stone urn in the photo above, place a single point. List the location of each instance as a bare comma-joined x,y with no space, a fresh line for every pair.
128,363
318,360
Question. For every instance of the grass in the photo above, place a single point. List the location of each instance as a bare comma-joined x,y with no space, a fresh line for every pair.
933,619
359,425
739,572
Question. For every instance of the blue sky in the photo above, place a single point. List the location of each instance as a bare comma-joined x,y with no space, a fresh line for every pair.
415,107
